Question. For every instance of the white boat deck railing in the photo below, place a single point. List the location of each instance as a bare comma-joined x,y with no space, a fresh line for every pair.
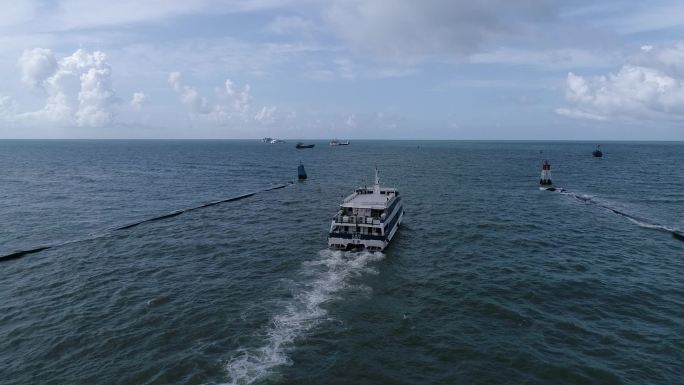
358,220
350,198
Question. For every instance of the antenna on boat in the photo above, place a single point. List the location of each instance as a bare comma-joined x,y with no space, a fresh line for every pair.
376,186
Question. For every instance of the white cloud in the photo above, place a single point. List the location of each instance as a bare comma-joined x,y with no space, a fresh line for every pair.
78,87
634,92
188,95
95,98
138,99
351,120
36,66
266,115
175,80
232,105
8,108
239,99
649,86
668,58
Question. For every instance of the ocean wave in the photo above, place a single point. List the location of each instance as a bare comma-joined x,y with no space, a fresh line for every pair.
325,278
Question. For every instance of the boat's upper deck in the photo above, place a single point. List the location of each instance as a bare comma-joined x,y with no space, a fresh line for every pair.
378,198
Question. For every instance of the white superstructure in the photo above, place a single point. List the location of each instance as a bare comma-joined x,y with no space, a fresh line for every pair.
337,142
368,219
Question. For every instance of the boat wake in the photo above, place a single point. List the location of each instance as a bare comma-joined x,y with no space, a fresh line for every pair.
324,279
642,222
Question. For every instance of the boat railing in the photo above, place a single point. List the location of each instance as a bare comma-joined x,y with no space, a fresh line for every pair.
336,234
350,198
358,220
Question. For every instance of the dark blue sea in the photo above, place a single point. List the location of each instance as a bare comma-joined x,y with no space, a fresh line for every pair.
489,280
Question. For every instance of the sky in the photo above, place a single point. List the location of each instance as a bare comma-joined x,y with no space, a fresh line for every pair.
351,69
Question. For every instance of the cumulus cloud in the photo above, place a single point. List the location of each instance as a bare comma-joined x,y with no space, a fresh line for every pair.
188,95
36,66
137,100
652,89
240,98
232,104
95,97
77,87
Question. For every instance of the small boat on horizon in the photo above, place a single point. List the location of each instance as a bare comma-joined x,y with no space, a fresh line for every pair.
367,219
302,145
276,141
597,153
337,142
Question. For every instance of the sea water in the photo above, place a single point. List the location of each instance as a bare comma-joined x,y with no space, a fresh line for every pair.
489,280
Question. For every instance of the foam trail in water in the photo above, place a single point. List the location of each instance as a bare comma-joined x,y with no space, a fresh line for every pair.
676,234
326,277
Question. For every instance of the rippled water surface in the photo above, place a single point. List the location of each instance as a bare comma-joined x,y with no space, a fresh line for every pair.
489,280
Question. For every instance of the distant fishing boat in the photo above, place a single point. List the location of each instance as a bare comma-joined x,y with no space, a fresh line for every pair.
276,141
301,173
337,142
597,153
267,140
302,145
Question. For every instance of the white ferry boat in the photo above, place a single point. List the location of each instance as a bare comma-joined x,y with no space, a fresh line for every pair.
337,142
367,219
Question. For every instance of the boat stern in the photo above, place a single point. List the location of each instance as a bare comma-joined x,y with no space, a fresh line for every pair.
355,244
